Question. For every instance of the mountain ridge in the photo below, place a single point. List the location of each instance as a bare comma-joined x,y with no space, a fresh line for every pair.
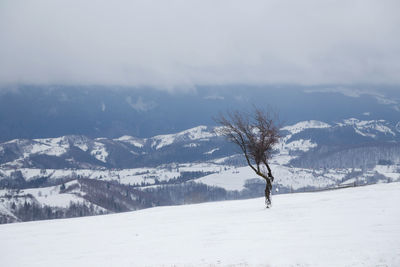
199,143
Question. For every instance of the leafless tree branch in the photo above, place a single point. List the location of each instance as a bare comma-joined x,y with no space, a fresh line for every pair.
255,134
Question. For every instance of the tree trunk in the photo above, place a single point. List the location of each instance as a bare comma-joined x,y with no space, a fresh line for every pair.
268,188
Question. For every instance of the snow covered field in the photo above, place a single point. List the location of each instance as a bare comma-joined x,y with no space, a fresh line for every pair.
348,227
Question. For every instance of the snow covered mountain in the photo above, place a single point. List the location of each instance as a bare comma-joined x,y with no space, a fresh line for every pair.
110,175
193,145
196,144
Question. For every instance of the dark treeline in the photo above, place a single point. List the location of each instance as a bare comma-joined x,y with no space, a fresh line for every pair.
117,197
32,211
17,181
363,156
113,196
183,177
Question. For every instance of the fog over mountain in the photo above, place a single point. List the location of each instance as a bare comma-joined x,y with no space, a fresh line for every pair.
53,111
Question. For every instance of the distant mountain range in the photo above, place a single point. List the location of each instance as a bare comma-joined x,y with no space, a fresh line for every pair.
75,151
199,144
31,112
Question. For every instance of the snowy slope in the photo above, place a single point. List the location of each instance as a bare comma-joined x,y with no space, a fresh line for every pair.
197,133
348,227
365,128
301,126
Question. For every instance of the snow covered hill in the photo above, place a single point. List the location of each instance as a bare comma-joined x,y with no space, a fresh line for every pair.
348,227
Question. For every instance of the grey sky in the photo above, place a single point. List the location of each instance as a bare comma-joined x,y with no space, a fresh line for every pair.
179,43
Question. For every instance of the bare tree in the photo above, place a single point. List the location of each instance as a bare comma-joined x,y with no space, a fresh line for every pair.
255,133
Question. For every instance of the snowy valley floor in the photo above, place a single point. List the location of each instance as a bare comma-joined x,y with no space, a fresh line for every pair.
348,227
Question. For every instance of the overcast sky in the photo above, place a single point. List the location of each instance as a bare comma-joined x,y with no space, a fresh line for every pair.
179,43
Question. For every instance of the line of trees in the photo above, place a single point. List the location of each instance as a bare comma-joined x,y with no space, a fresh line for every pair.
32,211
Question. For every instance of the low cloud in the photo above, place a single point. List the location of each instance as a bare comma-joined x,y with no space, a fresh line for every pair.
140,105
353,92
181,43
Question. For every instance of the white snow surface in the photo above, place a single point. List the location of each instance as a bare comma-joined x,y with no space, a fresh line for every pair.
131,140
232,179
211,151
300,126
235,178
301,144
48,146
196,133
362,127
99,151
348,227
390,171
125,176
51,196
